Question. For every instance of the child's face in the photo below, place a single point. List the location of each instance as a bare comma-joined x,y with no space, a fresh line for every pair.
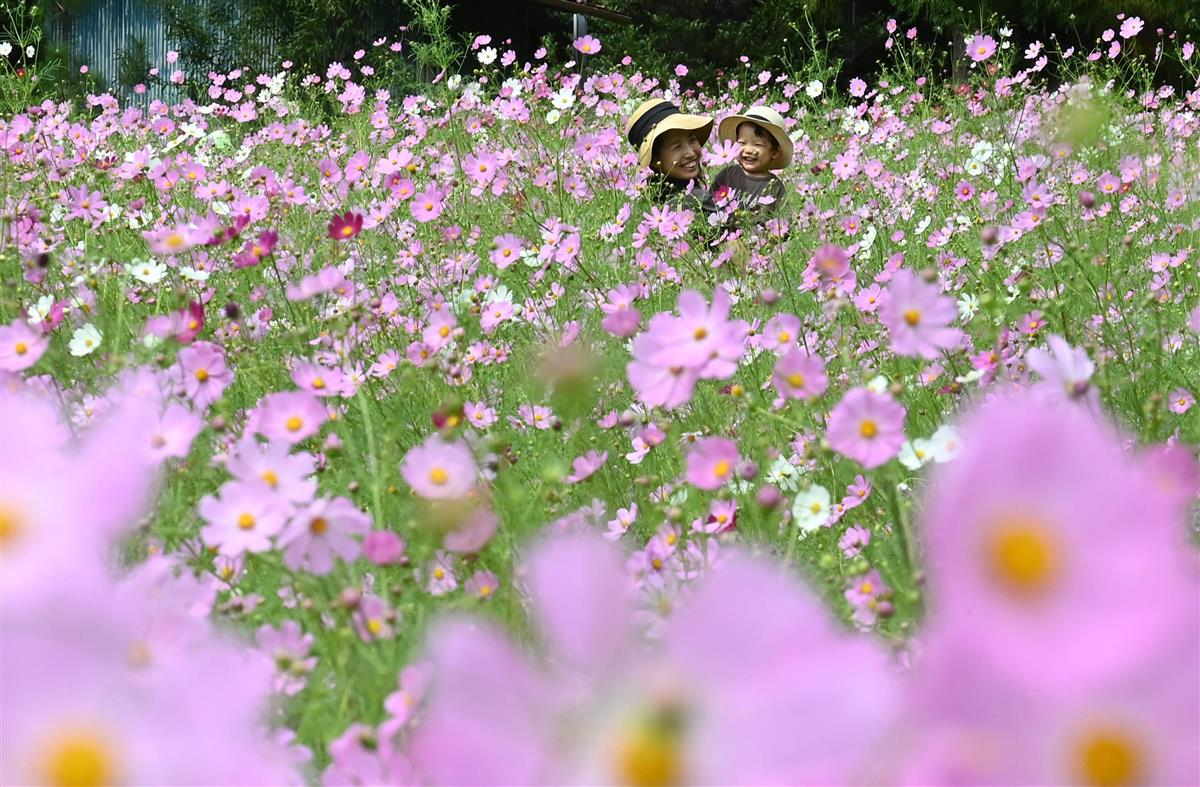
679,154
759,150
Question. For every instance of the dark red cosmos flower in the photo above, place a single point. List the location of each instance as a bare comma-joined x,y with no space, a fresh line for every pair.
346,226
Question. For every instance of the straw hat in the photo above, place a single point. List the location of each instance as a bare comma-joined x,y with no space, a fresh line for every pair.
767,119
657,116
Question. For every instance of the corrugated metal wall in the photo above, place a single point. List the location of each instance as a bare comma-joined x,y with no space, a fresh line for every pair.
102,29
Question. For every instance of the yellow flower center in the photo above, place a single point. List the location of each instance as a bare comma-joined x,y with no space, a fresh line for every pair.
868,428
784,337
294,423
796,380
10,527
912,317
78,758
245,521
722,469
175,240
318,383
485,591
649,755
439,573
700,333
347,231
202,374
1022,557
271,478
444,331
21,348
374,625
319,525
1108,757
438,476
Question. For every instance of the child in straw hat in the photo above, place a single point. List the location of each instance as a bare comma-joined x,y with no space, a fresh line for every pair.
764,147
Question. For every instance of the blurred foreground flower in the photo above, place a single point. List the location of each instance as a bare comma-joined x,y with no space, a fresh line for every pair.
751,683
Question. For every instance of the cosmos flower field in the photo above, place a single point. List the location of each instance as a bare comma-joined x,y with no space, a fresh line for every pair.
360,438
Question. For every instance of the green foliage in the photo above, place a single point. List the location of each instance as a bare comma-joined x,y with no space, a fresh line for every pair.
133,63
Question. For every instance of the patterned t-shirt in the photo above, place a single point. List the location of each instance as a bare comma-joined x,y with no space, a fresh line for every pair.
750,189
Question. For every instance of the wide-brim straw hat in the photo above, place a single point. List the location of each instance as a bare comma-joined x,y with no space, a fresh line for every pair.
767,119
657,116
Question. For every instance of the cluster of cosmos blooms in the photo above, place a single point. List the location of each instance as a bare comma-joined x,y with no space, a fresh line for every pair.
270,421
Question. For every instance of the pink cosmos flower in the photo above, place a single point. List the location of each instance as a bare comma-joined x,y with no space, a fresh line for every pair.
867,427
439,575
798,375
1048,639
473,532
288,475
482,585
177,428
241,517
585,466
588,45
438,469
204,372
506,249
20,346
711,462
1180,401
288,648
320,530
289,416
1066,371
666,712
383,547
981,47
917,315
318,380
830,263
781,333
427,205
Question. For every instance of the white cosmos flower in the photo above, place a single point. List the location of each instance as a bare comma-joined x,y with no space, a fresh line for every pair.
552,116
39,311
784,475
30,51
814,88
968,307
5,48
944,443
810,509
487,55
915,453
146,271
454,82
193,274
85,340
563,99
878,384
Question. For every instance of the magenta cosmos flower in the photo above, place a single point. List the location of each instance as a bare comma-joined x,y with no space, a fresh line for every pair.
438,469
20,346
749,683
345,226
866,426
917,315
587,45
1061,644
711,462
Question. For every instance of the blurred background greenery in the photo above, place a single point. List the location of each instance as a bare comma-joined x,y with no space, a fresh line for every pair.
121,39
